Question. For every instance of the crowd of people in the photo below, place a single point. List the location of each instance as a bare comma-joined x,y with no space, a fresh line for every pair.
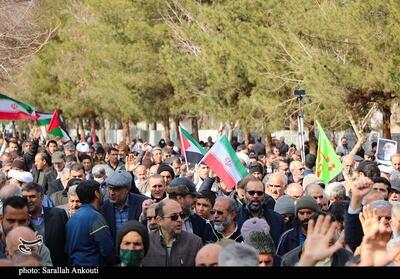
82,204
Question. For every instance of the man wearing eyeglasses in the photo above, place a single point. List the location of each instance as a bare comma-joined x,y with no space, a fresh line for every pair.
170,245
224,224
121,205
254,206
184,192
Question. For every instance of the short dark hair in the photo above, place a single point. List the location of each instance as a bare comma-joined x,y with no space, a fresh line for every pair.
51,141
33,186
86,190
209,195
16,202
112,149
371,171
77,167
383,181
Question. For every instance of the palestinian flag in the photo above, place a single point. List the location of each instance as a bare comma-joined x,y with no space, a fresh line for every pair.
190,148
222,159
43,118
11,109
55,128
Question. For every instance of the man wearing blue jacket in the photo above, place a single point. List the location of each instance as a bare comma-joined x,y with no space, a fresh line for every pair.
88,240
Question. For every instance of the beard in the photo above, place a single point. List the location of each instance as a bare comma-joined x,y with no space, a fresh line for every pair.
254,206
304,224
220,227
187,211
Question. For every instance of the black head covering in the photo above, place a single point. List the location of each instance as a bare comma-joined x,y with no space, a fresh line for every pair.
133,226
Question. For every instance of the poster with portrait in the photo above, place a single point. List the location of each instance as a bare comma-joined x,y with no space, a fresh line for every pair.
385,149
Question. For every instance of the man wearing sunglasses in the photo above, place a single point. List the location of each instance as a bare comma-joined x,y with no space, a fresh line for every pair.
170,245
184,192
224,224
255,206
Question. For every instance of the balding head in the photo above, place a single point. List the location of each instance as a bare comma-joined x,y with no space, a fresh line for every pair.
9,191
295,191
13,239
208,255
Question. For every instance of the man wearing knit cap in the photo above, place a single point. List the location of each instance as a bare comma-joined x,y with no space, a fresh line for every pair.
265,246
306,207
285,207
122,205
256,170
167,173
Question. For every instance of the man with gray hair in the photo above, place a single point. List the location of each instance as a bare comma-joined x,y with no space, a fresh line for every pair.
238,255
336,192
224,222
73,202
316,192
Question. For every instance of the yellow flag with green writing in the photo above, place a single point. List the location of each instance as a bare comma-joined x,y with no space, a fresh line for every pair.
328,163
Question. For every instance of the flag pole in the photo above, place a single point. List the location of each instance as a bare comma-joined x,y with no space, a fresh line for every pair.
184,152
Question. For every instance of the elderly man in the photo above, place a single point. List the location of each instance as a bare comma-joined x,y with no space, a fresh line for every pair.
184,192
276,185
121,205
295,191
315,191
73,202
224,224
171,246
208,255
157,187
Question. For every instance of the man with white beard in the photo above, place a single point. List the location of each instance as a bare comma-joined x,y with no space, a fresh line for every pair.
224,224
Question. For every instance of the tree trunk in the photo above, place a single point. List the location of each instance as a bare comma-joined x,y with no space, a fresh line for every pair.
102,131
195,128
81,130
166,132
92,123
246,134
126,131
312,140
386,122
268,141
177,123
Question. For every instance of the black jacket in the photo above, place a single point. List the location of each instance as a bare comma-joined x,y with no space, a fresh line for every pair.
135,202
55,220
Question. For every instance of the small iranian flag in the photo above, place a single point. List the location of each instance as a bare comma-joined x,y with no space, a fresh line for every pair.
11,109
43,118
222,159
190,148
55,128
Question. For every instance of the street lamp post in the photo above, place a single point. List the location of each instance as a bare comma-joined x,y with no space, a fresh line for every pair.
299,93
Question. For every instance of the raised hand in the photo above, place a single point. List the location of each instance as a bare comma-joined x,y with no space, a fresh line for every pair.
359,188
36,132
130,163
318,244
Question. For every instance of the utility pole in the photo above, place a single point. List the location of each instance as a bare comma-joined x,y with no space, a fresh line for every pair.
300,93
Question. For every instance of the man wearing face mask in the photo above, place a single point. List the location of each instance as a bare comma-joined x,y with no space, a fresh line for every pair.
132,243
306,208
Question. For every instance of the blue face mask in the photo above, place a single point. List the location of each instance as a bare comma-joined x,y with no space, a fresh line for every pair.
131,257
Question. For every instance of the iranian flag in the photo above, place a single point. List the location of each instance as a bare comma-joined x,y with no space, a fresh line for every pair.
222,159
190,148
43,118
55,128
11,109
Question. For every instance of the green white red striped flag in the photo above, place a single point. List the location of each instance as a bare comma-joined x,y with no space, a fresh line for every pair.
43,118
222,159
11,109
55,128
190,148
